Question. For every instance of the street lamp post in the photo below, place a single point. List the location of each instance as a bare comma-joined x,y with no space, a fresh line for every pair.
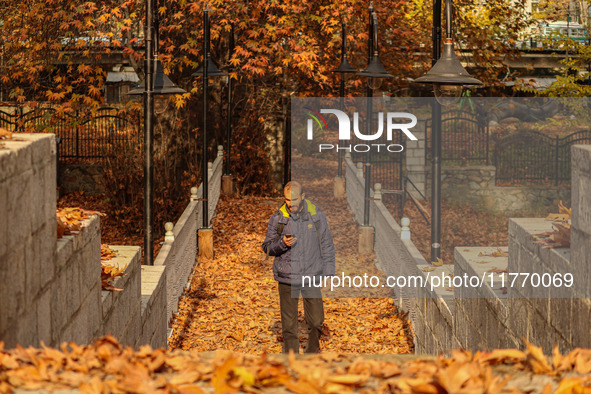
448,77
207,69
344,69
155,83
375,74
227,179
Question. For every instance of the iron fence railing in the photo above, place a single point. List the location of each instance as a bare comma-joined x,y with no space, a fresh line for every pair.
84,136
386,159
464,138
531,156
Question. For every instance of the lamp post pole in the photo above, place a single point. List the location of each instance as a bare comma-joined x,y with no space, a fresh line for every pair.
375,74
367,175
436,144
148,136
227,180
204,175
207,69
343,69
342,92
229,120
448,77
156,82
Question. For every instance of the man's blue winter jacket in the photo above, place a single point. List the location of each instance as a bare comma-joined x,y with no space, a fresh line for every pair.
305,258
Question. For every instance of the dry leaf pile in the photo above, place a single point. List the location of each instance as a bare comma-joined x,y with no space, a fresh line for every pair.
109,272
561,222
70,219
107,253
5,134
106,366
461,225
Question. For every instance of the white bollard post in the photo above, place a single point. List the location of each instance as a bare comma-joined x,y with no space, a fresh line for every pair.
194,196
405,230
220,151
377,191
169,235
360,169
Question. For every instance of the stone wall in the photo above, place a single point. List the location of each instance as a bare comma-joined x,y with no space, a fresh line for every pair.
85,176
488,317
495,314
27,238
50,289
581,218
476,185
481,315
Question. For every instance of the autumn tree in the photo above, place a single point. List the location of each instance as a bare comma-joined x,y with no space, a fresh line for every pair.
54,51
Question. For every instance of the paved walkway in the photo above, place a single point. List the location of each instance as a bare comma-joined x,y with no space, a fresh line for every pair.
233,302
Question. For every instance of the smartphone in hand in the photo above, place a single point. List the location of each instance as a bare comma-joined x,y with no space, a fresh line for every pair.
290,239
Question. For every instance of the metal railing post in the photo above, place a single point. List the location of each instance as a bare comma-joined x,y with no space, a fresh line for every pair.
557,152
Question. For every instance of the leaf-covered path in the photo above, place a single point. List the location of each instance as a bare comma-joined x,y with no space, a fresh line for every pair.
233,303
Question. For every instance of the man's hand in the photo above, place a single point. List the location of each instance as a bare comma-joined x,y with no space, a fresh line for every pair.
289,240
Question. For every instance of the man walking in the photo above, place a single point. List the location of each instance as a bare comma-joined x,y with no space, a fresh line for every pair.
300,240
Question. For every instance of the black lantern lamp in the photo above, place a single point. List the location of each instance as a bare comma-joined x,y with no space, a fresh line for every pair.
212,69
161,82
344,69
375,72
448,76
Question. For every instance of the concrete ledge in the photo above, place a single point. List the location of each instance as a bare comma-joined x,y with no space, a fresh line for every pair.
153,308
474,262
527,257
121,309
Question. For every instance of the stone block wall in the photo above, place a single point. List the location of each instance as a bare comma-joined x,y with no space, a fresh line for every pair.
28,230
481,315
433,321
121,310
86,177
76,289
475,185
546,313
154,307
496,314
581,218
50,289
